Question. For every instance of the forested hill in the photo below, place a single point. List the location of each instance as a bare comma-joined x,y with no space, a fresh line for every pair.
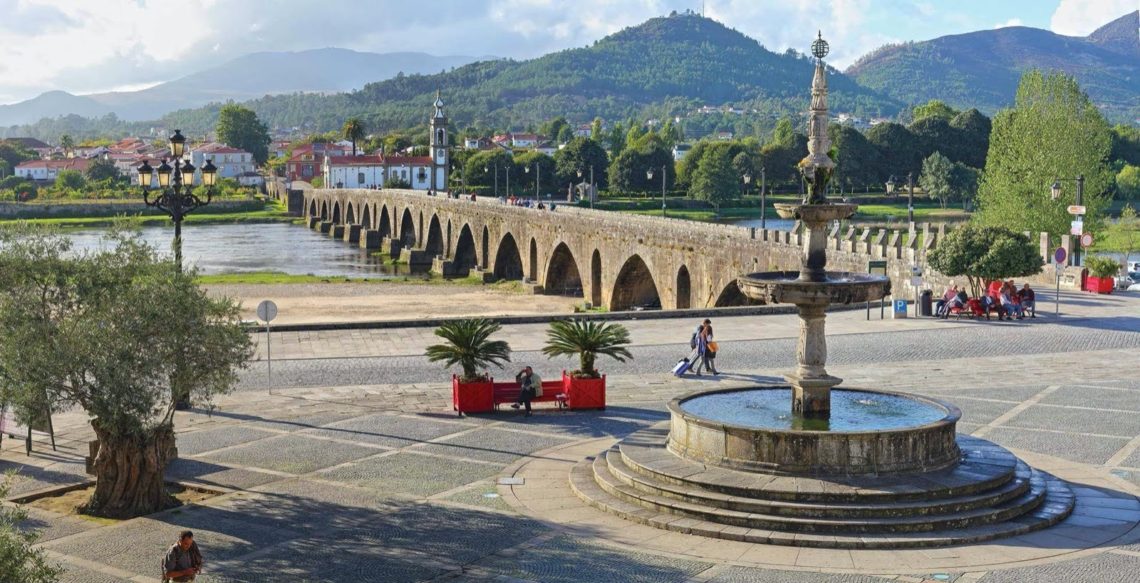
665,66
981,69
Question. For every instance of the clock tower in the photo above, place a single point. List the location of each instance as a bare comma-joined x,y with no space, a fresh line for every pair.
438,145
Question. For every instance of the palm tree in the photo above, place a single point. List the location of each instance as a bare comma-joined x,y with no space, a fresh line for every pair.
67,143
353,130
587,340
468,346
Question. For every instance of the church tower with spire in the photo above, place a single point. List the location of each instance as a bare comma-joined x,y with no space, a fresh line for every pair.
440,160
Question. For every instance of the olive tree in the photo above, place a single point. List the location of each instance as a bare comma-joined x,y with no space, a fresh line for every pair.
984,254
110,331
19,560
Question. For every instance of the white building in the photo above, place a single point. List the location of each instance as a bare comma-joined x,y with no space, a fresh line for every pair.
230,162
354,171
680,150
48,170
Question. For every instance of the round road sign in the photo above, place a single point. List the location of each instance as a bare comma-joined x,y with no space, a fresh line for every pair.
267,311
1086,240
1059,255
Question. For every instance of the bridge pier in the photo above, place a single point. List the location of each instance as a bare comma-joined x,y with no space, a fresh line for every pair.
416,257
313,222
369,239
325,227
352,234
391,247
337,231
445,267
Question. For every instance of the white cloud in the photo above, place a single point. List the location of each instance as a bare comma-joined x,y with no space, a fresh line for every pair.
1081,17
1010,22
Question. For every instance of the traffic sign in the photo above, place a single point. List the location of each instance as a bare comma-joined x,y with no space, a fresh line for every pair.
1076,209
1086,240
1077,228
1059,255
266,311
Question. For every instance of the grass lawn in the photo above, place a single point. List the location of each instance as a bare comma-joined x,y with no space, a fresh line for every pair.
274,212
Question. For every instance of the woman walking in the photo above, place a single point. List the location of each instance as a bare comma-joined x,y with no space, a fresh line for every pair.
704,352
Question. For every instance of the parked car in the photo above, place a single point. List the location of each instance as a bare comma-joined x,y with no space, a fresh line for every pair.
1127,281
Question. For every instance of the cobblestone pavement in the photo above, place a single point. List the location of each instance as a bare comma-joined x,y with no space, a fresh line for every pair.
356,469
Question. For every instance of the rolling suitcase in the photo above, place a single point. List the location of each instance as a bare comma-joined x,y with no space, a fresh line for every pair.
682,366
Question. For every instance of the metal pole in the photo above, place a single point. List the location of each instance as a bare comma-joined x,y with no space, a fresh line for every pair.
663,191
508,169
269,353
1057,294
1080,200
537,180
763,198
593,188
496,180
910,199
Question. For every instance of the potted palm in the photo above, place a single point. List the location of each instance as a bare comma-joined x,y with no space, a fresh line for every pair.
467,343
1102,270
586,388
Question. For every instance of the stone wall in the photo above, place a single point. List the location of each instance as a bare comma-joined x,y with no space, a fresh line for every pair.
612,259
110,208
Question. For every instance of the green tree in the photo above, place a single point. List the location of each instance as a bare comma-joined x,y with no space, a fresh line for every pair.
479,169
964,184
1126,144
586,340
579,155
784,133
1052,131
103,169
67,143
70,180
239,127
934,108
899,150
468,343
565,134
553,129
596,128
526,173
857,160
714,180
936,178
1125,231
19,560
982,254
353,129
15,154
973,139
1128,182
84,330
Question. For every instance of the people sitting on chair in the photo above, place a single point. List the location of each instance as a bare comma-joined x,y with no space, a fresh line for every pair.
1028,300
1010,307
942,309
530,387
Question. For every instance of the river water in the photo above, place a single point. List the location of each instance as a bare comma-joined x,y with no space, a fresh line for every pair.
244,248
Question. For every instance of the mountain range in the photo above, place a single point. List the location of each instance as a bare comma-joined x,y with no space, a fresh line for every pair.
663,67
981,69
328,70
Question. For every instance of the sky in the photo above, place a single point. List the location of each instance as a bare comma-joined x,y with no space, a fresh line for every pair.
86,46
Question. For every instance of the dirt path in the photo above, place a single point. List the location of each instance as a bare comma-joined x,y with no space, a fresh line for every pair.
348,302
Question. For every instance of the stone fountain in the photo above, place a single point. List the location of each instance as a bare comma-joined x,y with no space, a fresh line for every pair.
779,464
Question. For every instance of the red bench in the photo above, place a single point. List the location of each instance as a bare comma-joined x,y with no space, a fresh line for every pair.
973,309
552,392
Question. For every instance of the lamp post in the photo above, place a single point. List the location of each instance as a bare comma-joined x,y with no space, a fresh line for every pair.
175,196
508,169
664,175
1055,190
537,179
485,169
909,197
591,183
763,198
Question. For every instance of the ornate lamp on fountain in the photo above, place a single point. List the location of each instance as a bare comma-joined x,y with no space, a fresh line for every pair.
813,288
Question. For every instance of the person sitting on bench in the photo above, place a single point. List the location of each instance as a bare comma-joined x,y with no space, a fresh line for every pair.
942,309
530,387
1028,300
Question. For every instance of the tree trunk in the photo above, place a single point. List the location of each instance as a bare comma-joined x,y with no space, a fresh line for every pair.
129,473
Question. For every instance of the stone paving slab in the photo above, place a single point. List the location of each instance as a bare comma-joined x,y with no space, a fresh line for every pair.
388,430
1070,446
567,560
491,445
327,561
294,454
197,442
413,474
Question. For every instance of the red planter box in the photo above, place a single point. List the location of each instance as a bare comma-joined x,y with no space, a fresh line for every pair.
1099,285
472,397
585,393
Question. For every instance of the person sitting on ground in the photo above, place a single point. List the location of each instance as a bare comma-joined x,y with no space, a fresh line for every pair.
942,309
1028,300
530,387
183,561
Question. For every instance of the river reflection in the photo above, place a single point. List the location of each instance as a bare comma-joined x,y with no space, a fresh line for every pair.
245,248
770,224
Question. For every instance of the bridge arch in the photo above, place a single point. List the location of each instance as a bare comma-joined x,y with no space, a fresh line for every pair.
336,213
562,275
349,214
434,244
684,289
731,296
313,207
464,259
532,259
596,278
508,260
324,210
634,286
486,245
384,222
366,217
408,229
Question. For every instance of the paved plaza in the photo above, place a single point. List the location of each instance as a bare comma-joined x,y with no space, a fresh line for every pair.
350,465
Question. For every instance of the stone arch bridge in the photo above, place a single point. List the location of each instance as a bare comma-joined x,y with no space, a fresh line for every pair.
616,260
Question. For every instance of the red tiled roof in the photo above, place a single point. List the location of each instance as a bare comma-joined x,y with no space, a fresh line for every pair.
356,161
79,164
408,160
220,149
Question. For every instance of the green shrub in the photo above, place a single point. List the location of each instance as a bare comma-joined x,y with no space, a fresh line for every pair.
1099,266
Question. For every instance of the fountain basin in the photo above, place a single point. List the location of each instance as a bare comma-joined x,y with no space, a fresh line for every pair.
870,432
816,213
786,287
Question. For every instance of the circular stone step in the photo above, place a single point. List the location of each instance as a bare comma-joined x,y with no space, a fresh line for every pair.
888,522
984,466
863,509
1055,504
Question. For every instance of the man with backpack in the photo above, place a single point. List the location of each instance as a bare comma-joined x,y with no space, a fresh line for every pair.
183,561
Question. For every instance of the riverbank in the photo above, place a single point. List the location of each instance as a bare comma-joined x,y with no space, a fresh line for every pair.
317,301
101,213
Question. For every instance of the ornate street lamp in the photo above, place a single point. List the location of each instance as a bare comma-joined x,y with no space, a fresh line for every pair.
591,183
175,196
909,196
649,175
537,178
1055,190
